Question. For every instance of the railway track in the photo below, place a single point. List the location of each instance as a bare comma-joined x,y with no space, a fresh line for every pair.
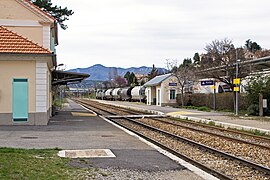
113,110
105,109
220,164
223,155
261,140
251,151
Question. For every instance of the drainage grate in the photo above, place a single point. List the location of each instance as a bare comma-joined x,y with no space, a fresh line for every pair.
29,137
107,136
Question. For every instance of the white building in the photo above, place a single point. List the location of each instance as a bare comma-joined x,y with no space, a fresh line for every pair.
162,90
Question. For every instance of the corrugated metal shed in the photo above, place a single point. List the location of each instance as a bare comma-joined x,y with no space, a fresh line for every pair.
157,80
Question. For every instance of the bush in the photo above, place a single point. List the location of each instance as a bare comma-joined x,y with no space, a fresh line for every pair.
224,101
258,85
57,103
253,109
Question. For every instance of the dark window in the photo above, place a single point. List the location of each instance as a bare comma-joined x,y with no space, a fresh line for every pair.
20,80
172,94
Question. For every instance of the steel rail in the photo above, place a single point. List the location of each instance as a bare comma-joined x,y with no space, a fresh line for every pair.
211,133
225,130
224,154
207,126
133,112
122,109
195,163
91,107
207,148
184,157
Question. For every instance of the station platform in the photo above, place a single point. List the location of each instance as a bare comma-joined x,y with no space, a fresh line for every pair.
75,128
221,119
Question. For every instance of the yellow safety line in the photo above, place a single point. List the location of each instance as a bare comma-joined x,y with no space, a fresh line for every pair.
181,113
82,114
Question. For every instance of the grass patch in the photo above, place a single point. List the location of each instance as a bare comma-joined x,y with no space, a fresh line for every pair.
258,133
92,96
211,123
202,108
59,102
253,132
39,164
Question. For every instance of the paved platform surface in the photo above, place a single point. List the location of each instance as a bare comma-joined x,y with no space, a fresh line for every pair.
215,116
76,128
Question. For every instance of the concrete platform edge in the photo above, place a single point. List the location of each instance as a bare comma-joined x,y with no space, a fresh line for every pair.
189,166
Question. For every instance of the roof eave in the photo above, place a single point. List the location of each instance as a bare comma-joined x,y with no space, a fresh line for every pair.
151,85
36,10
26,54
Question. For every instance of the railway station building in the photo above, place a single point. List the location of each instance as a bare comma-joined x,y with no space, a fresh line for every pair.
162,90
28,37
27,56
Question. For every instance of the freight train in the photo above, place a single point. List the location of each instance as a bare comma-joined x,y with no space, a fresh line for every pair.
136,93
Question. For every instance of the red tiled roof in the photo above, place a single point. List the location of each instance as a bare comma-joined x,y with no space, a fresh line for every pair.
11,42
39,9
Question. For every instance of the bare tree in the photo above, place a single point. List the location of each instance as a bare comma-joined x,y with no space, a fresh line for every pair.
219,52
222,53
221,62
183,72
120,81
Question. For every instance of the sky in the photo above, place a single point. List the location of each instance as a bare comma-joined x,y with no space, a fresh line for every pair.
134,33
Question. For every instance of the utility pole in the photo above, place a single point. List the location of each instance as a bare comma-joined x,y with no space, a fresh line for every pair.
261,104
238,88
215,95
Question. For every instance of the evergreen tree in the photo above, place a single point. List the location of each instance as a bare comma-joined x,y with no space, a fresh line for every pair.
153,73
186,62
252,46
127,77
196,59
131,79
59,13
134,80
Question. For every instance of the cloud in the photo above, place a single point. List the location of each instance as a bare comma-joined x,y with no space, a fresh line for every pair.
144,32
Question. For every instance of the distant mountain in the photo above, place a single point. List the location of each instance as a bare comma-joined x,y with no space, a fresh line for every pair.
99,72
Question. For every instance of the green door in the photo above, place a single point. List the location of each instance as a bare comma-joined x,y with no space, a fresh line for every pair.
20,100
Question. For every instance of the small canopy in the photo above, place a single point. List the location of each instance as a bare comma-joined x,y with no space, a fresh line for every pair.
64,77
